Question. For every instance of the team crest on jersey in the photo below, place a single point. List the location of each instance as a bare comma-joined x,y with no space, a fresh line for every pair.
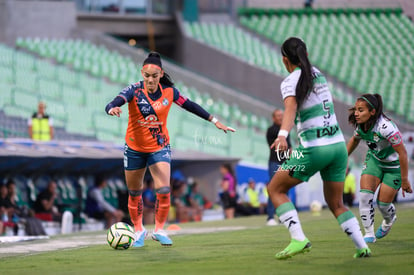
165,102
396,139
376,137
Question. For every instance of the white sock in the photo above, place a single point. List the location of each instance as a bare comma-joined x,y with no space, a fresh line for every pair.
352,229
367,211
350,226
388,212
290,219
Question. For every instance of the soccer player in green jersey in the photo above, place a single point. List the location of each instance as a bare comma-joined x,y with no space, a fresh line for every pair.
308,102
386,163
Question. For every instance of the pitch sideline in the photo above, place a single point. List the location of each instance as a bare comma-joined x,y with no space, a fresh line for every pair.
26,248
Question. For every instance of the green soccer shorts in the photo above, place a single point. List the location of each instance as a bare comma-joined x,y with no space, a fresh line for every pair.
388,173
330,160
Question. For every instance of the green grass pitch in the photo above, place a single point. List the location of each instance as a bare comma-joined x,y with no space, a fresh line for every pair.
248,248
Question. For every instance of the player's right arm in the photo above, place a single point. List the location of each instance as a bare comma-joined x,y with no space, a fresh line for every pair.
113,108
352,144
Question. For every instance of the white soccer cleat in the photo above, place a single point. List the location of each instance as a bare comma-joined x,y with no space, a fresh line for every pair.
272,222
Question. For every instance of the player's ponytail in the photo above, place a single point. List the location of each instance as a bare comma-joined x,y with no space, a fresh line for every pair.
155,59
305,82
295,50
166,80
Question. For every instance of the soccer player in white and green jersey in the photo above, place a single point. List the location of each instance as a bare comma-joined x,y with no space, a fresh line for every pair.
386,163
322,149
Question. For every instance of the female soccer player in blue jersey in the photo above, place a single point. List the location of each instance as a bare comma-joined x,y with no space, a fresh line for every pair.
322,149
386,163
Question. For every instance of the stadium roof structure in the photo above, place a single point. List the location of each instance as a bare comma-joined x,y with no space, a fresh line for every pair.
26,156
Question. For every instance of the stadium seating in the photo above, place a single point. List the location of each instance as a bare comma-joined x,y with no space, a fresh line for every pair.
72,193
241,44
370,50
28,78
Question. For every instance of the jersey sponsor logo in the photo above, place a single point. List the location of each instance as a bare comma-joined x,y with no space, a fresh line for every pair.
150,121
143,101
384,126
145,110
328,131
151,118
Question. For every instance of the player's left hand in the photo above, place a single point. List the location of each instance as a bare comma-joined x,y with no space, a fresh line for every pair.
406,186
223,127
280,144
115,111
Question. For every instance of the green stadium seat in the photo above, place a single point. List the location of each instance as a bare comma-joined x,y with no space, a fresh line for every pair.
184,143
25,100
82,76
6,75
49,89
240,145
6,91
17,111
379,29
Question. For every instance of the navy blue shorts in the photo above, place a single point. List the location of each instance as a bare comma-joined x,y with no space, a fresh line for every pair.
134,160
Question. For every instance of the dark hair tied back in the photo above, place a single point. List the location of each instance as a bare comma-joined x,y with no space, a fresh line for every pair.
155,59
372,101
295,50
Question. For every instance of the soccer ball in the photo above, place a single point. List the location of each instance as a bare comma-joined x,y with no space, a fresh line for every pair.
315,207
120,236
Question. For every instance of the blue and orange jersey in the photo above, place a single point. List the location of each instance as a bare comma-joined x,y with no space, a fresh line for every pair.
147,125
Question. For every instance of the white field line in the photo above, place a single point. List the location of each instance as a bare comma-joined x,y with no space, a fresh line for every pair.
19,247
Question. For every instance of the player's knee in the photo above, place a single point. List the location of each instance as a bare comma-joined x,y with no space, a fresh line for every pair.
163,190
366,198
135,193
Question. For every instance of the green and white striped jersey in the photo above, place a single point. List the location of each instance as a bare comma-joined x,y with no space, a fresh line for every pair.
315,120
381,138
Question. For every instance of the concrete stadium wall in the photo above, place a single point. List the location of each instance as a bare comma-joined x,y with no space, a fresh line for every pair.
126,24
55,19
